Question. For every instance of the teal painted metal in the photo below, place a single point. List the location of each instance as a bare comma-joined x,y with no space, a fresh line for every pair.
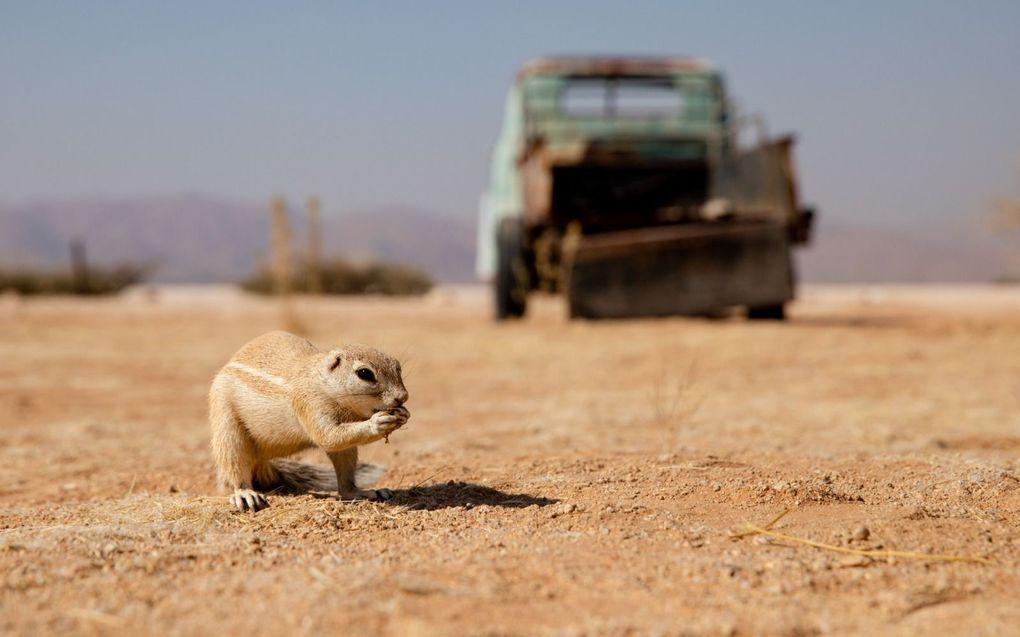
502,199
698,116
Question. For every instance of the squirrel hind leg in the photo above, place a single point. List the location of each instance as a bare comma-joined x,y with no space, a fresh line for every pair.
233,449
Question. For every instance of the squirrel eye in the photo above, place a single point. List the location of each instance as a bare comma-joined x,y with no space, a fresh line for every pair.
365,374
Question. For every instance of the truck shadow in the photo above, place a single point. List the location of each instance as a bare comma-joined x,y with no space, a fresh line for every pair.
463,494
869,322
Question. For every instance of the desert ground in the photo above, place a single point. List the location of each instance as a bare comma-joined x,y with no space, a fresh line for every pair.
555,478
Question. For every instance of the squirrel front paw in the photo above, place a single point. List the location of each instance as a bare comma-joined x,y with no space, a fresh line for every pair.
386,422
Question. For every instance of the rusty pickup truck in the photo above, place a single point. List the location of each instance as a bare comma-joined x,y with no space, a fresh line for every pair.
621,183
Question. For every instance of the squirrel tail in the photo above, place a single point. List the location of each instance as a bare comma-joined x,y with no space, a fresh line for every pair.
289,476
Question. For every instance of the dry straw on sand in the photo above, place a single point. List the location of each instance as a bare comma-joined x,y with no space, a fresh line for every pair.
751,529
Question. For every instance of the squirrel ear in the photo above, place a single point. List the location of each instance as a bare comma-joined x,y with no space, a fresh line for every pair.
336,360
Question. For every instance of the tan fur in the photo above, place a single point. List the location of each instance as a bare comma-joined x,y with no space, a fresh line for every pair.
279,395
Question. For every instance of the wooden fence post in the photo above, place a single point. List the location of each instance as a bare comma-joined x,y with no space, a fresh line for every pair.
79,267
313,258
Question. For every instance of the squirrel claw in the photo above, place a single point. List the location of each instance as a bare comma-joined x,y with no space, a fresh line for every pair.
248,500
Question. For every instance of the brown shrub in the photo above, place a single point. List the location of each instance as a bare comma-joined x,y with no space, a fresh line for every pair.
100,280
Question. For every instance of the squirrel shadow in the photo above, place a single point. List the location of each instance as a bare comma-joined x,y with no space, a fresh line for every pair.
462,494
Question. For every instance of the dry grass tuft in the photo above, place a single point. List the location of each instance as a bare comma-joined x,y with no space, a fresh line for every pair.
673,404
202,511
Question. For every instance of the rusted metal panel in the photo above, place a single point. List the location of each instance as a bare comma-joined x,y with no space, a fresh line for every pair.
760,182
536,184
685,269
612,65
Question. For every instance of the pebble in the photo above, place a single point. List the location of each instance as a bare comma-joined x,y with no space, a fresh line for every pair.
860,534
563,509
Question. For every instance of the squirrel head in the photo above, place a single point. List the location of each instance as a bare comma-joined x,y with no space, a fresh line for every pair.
368,379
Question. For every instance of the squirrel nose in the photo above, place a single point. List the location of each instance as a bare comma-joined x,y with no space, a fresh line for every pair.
400,397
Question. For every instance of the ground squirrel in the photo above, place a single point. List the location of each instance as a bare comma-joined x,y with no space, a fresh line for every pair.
279,395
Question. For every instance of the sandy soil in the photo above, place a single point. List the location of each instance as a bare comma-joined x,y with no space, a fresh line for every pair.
556,478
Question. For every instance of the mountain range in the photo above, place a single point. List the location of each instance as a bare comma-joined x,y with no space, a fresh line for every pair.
193,238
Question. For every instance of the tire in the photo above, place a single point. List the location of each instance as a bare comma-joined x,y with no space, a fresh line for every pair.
511,283
767,313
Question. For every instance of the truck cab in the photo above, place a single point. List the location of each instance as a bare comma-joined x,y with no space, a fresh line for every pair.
619,182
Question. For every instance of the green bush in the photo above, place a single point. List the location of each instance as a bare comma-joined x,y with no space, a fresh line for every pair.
100,280
343,277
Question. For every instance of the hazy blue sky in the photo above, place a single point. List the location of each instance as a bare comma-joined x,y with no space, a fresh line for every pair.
905,111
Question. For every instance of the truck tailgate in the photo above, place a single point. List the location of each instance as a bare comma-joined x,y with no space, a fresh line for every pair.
679,269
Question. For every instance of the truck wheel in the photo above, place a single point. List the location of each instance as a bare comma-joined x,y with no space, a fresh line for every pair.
767,313
511,284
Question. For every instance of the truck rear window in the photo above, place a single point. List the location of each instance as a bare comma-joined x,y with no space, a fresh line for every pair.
621,97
